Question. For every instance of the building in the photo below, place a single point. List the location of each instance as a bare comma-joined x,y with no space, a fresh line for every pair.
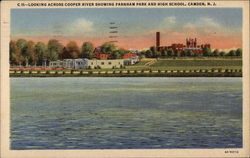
116,63
132,61
129,55
86,63
100,55
191,45
56,64
75,63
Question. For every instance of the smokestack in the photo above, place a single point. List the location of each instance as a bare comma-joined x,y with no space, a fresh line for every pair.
158,38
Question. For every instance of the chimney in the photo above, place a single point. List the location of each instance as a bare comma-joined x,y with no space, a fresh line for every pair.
158,38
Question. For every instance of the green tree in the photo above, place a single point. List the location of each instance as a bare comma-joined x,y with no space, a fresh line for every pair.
176,53
239,52
54,50
149,54
216,52
73,49
222,53
87,50
32,58
232,53
115,55
190,53
206,51
164,53
108,47
170,52
184,53
22,45
41,52
141,54
155,52
122,51
14,53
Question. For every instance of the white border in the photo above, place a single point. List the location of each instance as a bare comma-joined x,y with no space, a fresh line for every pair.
131,153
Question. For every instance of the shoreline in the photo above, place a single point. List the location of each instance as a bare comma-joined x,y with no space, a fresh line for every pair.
129,73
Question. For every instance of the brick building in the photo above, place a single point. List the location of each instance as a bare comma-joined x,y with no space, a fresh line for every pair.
129,55
100,55
191,45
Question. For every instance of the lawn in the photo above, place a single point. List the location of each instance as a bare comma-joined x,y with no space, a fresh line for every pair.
192,63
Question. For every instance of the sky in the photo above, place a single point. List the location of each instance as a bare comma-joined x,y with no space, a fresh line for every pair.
221,27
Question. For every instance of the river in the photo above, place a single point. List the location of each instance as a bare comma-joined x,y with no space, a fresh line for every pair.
126,113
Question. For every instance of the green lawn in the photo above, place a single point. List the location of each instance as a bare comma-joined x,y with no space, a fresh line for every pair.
141,63
197,63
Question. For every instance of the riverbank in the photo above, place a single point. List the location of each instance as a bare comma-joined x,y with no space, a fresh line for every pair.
128,73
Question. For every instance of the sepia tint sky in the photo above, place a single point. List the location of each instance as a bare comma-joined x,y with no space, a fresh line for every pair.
221,27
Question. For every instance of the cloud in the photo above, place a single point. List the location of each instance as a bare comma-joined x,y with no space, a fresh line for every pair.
203,26
171,20
79,27
166,25
203,22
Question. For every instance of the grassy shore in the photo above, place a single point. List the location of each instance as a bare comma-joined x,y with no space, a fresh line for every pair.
132,73
167,67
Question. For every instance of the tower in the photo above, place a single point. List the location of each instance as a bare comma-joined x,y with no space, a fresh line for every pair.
158,39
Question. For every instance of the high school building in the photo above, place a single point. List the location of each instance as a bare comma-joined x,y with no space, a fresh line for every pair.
191,45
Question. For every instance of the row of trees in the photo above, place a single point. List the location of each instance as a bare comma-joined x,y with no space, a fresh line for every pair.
23,52
153,53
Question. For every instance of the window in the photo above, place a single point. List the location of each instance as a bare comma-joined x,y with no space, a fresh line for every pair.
102,63
110,63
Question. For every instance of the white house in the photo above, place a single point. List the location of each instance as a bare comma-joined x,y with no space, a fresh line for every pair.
131,61
75,63
116,63
56,64
86,63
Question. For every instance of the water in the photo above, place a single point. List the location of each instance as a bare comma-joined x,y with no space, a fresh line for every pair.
125,113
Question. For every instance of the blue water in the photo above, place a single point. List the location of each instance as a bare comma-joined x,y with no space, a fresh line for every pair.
126,113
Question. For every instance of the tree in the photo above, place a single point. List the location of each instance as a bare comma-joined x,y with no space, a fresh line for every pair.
149,54
170,52
184,53
239,52
115,55
216,52
222,53
176,53
206,51
164,53
32,58
22,45
231,53
155,52
73,49
141,54
15,53
108,47
190,53
122,51
41,52
54,50
87,50
65,53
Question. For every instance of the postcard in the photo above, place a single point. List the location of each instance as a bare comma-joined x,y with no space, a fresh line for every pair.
124,79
